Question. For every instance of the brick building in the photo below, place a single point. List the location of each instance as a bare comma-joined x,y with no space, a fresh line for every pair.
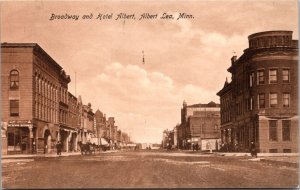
34,98
200,123
110,127
261,101
72,123
100,123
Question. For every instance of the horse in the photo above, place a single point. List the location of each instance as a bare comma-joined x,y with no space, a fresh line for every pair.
86,148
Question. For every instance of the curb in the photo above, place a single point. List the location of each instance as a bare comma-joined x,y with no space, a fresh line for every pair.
282,163
38,156
30,156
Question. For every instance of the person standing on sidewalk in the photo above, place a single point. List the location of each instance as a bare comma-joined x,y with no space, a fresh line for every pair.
253,149
58,148
45,148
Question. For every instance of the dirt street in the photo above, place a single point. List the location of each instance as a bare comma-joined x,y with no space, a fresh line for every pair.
146,169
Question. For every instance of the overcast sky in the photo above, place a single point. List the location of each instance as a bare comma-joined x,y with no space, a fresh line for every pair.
184,59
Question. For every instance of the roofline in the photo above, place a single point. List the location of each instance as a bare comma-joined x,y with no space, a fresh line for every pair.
35,47
270,31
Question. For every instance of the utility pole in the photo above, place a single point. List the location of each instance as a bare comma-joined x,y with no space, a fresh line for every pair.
75,83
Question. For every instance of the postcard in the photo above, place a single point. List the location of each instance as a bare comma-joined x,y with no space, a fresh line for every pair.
149,94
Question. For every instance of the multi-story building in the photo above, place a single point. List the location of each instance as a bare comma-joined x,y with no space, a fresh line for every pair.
34,98
73,115
88,122
100,119
200,124
260,103
110,127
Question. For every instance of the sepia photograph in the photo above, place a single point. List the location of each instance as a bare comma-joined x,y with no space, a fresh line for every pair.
149,94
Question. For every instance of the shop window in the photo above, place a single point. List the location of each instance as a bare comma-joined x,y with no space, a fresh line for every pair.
14,80
285,75
286,130
14,141
273,100
14,107
286,99
260,77
261,100
273,76
273,130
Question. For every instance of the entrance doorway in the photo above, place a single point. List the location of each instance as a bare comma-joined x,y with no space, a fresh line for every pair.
47,141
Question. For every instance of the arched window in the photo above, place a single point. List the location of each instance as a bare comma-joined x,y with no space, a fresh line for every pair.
14,80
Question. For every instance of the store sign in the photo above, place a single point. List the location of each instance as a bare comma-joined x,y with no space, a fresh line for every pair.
20,123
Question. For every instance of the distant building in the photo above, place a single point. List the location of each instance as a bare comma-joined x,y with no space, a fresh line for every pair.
100,123
111,126
260,103
200,124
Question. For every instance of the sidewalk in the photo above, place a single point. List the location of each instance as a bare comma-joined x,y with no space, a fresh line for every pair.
24,156
292,161
288,159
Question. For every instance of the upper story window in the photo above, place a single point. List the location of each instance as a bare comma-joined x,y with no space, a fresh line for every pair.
285,75
14,80
273,76
261,101
251,103
273,100
260,77
14,107
286,99
251,79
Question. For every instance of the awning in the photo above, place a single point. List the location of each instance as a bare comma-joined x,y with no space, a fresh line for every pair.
104,142
96,141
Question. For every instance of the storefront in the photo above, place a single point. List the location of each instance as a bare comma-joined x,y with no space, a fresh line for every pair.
19,137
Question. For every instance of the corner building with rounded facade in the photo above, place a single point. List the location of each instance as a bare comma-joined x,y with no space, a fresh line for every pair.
260,103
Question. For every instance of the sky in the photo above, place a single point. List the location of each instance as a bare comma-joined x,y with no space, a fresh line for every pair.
185,59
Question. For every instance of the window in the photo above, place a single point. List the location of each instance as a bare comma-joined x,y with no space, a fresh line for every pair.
273,150
287,151
14,107
273,100
14,80
251,103
285,75
260,77
261,101
251,79
273,76
216,127
273,130
286,130
286,99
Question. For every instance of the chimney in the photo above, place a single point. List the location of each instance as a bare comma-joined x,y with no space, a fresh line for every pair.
233,59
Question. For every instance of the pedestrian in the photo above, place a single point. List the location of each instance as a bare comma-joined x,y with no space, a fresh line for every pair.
33,147
58,148
253,149
45,148
197,147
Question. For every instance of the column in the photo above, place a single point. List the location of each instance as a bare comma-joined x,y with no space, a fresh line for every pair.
76,142
30,128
